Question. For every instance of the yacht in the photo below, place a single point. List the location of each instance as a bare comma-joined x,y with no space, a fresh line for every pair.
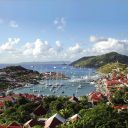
9,91
79,86
28,85
85,79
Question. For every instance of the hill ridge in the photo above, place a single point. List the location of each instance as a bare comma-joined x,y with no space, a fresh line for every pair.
100,60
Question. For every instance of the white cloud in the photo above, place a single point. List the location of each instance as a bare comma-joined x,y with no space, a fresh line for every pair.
60,23
13,24
40,50
37,48
59,46
76,49
104,45
93,38
9,45
97,39
28,49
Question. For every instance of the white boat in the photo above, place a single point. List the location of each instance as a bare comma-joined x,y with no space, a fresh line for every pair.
79,86
85,79
42,82
76,91
92,82
35,91
9,91
51,89
28,85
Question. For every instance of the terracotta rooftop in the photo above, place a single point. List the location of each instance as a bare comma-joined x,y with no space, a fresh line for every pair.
40,111
14,125
53,121
33,122
96,96
120,107
1,104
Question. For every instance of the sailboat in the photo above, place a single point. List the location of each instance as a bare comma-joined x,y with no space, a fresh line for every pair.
9,91
79,86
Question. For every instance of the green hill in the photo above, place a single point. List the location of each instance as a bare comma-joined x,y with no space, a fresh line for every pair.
100,60
108,68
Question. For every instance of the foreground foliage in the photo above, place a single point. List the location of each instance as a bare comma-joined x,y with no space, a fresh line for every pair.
101,116
21,110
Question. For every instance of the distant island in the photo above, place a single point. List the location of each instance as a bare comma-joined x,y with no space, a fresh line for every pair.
46,62
100,60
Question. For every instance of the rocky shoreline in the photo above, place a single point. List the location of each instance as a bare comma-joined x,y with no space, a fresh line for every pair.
16,77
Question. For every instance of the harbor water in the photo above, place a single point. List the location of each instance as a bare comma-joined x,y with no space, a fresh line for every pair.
74,85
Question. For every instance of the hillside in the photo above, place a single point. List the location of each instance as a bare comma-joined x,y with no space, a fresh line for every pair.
17,76
108,68
100,60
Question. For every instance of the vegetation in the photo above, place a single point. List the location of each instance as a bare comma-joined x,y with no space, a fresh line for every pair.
108,68
20,109
120,97
98,61
101,116
13,75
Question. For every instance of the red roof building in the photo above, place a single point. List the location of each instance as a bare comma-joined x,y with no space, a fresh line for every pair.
3,126
53,121
14,125
120,107
114,75
39,111
95,97
1,104
33,122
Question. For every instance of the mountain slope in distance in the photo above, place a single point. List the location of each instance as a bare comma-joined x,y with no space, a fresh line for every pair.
100,60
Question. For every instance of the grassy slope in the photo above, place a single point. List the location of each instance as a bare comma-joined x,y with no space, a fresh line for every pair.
98,61
109,67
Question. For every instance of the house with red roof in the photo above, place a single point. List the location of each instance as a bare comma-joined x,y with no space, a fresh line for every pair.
96,97
14,125
53,121
3,126
1,105
33,122
39,111
121,107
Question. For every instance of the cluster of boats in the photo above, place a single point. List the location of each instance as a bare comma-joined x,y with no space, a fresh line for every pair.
85,79
53,87
58,86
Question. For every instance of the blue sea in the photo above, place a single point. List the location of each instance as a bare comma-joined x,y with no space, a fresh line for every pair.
68,89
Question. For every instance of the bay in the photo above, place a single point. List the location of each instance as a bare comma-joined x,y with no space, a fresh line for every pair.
68,88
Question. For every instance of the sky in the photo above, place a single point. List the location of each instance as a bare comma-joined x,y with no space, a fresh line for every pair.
61,30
